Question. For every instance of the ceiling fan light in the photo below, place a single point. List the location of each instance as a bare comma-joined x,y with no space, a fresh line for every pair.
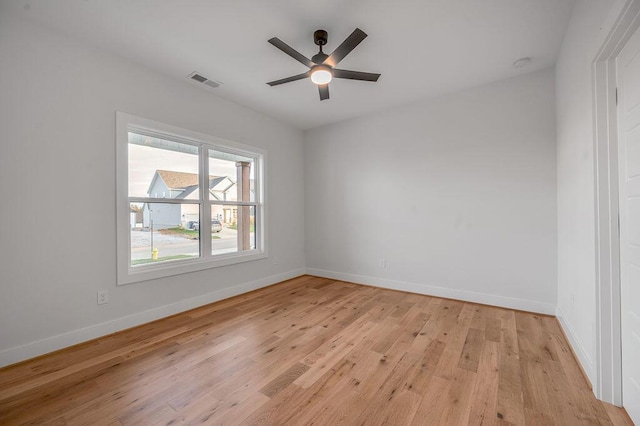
321,75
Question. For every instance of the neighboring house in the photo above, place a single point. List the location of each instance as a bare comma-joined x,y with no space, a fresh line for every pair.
135,213
181,185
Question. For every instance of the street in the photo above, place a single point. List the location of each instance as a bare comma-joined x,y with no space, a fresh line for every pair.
176,245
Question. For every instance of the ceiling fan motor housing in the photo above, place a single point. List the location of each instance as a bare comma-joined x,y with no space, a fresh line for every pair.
320,37
319,58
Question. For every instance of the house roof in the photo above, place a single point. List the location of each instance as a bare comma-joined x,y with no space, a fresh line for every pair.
182,180
179,180
187,182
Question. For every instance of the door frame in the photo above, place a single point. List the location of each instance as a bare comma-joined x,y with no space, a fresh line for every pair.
608,380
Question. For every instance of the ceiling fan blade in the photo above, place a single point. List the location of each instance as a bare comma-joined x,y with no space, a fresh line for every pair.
289,79
291,51
355,75
347,46
324,91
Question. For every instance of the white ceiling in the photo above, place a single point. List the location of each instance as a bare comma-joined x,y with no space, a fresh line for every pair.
422,48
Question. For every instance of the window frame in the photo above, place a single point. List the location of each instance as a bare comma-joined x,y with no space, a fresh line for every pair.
127,274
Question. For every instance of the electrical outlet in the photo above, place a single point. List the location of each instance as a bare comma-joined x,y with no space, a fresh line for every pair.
103,297
383,263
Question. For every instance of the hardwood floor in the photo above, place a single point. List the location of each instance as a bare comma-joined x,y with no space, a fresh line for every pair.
314,351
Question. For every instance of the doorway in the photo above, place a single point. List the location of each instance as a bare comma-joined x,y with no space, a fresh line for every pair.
616,150
628,79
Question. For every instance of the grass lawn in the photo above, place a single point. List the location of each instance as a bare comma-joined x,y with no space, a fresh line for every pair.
161,259
189,233
235,227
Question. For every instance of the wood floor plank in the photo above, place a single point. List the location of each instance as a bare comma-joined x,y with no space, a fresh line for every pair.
617,415
459,400
308,401
208,352
510,405
385,402
493,330
433,403
202,381
483,407
420,378
327,356
400,411
38,408
329,409
314,351
471,351
284,379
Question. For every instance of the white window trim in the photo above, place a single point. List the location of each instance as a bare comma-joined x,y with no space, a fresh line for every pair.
126,274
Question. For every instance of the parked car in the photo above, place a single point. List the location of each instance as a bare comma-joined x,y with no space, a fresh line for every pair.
216,226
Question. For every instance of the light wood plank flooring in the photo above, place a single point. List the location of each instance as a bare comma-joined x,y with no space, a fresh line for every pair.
314,351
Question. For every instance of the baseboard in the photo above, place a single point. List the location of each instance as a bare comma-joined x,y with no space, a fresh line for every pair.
588,369
431,290
41,347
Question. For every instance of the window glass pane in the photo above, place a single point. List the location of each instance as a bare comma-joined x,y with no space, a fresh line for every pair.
232,229
164,232
162,168
227,175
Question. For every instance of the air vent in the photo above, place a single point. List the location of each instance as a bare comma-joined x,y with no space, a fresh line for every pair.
201,79
198,78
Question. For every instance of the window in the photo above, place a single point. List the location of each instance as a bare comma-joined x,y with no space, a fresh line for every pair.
185,201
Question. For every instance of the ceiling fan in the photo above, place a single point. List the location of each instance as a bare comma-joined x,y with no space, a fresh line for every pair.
322,66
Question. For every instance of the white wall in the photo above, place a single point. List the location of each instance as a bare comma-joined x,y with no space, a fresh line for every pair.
58,98
589,23
457,194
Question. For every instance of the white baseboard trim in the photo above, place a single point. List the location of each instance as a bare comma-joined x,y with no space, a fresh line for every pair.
431,290
40,347
584,360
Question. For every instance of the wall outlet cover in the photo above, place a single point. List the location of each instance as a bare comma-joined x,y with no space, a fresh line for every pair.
103,297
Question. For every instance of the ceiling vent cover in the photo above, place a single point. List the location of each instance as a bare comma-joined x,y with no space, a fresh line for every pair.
204,80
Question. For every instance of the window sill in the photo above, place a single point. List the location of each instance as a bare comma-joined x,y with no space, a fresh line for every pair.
168,269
